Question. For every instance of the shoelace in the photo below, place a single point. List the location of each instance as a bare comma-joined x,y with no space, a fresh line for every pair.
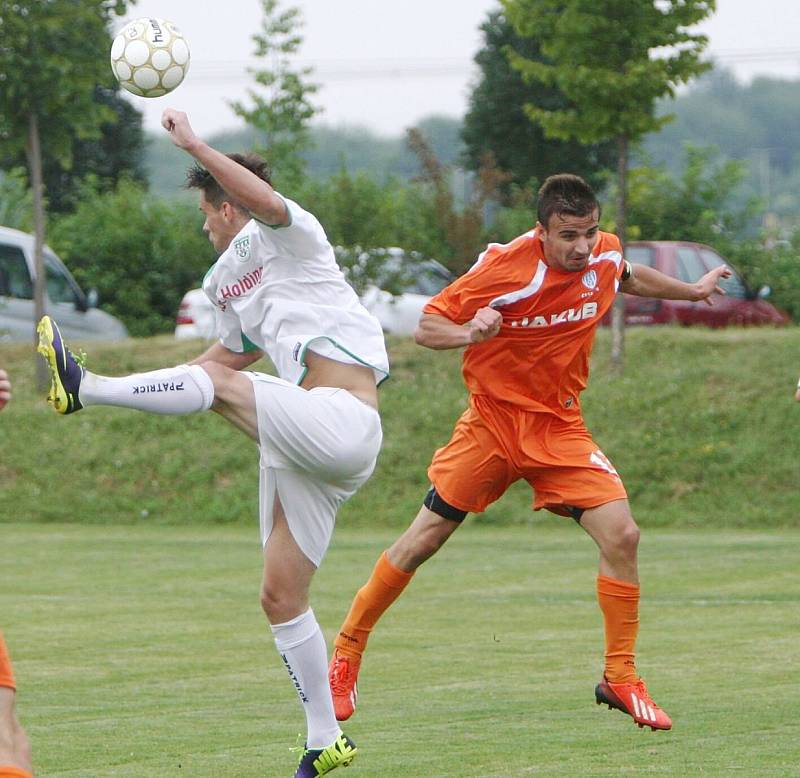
80,357
644,694
341,669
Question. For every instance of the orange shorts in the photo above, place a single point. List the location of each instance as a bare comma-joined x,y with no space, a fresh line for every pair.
6,673
495,444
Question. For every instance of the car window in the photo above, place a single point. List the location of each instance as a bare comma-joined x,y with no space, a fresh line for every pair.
733,286
60,288
428,281
690,266
641,255
15,280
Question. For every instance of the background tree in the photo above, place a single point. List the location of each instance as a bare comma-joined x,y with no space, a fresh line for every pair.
117,152
600,56
50,64
140,252
282,115
497,122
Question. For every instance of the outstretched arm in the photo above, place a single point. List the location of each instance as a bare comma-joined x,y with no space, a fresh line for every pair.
224,356
648,282
254,194
438,332
797,393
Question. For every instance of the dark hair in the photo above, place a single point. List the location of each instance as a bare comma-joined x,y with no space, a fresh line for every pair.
565,194
198,177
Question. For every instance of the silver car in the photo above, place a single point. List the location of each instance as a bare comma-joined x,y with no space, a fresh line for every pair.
65,301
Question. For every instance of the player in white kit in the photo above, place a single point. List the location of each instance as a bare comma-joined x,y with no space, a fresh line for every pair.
277,290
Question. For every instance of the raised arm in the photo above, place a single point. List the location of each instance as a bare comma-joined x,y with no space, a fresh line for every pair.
648,282
255,195
438,332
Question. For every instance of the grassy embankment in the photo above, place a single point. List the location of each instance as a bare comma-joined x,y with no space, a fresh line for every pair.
702,427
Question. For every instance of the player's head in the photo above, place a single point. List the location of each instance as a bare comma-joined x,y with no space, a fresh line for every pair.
568,215
225,216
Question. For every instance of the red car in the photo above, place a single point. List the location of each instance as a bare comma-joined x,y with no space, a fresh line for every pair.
688,262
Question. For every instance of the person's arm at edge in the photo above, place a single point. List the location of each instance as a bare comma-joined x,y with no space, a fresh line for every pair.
438,332
5,389
251,192
224,356
797,393
646,281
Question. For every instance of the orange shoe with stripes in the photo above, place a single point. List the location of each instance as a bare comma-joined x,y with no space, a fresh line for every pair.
342,676
633,699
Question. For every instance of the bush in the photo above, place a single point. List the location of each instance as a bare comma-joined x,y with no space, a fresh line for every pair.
140,252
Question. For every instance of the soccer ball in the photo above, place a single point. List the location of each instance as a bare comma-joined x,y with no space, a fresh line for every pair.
149,57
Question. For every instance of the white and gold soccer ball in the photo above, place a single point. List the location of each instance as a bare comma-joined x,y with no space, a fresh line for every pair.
149,57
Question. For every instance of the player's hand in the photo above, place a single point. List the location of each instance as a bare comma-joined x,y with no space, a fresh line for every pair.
176,123
709,283
797,393
485,324
5,389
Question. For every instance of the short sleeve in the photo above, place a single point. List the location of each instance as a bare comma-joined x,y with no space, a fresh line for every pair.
486,280
304,237
230,332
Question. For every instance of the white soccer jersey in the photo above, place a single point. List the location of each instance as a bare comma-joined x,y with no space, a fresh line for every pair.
280,289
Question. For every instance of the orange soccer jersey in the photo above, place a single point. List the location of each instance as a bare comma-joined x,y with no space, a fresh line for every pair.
524,419
540,358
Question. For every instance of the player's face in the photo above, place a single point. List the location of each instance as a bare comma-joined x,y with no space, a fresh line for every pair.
217,226
569,240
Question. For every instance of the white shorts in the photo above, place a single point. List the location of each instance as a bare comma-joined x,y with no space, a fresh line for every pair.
317,447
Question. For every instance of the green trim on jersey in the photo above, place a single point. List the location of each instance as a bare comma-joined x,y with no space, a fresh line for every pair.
248,346
208,273
275,226
341,348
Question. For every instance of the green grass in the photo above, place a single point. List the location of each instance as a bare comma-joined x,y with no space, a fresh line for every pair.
702,427
142,652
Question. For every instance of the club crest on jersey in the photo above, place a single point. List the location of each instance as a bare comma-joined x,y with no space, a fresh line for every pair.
585,311
590,279
241,248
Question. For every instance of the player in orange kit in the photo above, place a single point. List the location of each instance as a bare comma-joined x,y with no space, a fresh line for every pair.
15,757
527,313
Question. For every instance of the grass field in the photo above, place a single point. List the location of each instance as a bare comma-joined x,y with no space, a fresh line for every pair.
142,652
702,426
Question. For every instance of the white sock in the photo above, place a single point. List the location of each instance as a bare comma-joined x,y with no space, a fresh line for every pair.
302,647
175,391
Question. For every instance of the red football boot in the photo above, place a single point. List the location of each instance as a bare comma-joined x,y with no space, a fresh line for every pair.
633,699
342,677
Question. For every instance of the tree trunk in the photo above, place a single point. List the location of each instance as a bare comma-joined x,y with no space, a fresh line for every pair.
618,311
34,154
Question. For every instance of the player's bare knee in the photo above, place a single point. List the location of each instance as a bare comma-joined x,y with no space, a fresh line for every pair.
279,603
626,541
222,378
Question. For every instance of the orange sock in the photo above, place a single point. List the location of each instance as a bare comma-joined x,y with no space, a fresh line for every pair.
6,673
619,602
14,772
384,586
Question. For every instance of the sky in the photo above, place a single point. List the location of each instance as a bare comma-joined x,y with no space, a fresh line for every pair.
386,65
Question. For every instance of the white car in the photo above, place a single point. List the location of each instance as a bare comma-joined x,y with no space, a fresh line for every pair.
76,312
397,313
195,317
